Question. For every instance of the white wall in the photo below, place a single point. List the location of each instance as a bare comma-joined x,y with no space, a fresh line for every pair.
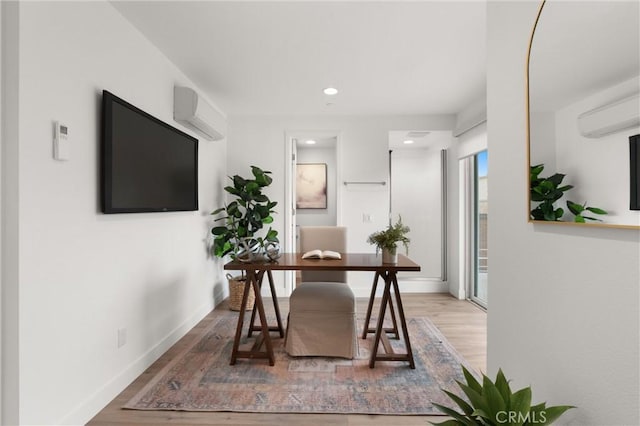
416,195
320,217
472,115
564,314
473,141
543,141
363,149
83,275
1,137
9,230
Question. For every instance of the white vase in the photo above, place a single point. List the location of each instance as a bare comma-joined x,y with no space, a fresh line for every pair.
389,256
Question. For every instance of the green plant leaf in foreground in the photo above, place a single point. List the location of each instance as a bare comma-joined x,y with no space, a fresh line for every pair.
551,414
492,403
502,384
460,419
466,408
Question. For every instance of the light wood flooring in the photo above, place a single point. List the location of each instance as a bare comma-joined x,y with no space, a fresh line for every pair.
461,322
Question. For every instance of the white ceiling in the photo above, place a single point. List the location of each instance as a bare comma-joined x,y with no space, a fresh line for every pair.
385,57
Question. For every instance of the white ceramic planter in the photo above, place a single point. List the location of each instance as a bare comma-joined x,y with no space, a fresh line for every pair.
389,256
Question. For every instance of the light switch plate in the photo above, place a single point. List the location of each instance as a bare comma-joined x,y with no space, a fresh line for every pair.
61,144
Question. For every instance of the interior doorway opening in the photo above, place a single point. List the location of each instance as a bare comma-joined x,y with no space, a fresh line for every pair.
480,289
418,181
312,193
316,169
474,214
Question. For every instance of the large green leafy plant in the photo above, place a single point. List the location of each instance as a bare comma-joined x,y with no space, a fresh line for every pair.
494,404
244,218
547,190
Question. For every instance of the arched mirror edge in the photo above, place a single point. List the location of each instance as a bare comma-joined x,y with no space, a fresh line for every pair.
528,148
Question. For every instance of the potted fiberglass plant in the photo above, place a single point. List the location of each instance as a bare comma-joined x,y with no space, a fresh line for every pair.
488,403
240,233
244,218
387,241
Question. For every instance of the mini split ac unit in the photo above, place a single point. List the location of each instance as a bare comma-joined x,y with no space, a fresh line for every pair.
611,118
192,111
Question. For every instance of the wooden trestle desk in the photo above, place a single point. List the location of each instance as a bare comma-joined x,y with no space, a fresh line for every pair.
255,272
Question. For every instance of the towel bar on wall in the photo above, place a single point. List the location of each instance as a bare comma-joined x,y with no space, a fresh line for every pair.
365,183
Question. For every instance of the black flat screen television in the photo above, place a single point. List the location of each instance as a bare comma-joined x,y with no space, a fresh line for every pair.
147,165
634,151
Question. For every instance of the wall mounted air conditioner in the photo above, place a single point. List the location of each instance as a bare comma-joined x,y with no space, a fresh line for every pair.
192,111
611,118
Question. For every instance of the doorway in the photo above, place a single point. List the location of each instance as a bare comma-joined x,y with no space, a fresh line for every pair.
313,163
474,213
418,179
479,290
318,156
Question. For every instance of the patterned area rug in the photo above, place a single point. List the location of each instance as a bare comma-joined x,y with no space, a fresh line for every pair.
201,379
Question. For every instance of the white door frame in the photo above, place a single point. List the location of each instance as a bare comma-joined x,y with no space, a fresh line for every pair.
466,214
289,219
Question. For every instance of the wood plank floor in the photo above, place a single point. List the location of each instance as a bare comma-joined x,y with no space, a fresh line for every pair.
461,322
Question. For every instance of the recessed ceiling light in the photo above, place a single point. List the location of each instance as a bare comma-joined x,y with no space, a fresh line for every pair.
310,142
408,142
330,91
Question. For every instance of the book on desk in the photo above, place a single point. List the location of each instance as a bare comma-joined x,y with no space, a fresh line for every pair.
321,254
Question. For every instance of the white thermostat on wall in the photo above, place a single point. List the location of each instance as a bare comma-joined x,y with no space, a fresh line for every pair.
61,144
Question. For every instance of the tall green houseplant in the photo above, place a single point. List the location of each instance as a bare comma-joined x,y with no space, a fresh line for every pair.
245,217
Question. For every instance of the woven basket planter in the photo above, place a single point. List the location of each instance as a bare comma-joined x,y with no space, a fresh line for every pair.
236,290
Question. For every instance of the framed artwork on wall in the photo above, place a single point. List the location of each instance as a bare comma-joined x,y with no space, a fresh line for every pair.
311,186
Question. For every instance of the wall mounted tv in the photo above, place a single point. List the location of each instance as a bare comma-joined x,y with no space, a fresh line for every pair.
634,150
147,165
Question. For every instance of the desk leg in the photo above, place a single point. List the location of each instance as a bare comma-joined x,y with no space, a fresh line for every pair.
276,307
366,330
252,280
252,328
393,320
243,306
367,319
403,321
263,321
390,280
379,330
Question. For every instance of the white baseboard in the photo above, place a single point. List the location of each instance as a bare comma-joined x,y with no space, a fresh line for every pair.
219,294
101,397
